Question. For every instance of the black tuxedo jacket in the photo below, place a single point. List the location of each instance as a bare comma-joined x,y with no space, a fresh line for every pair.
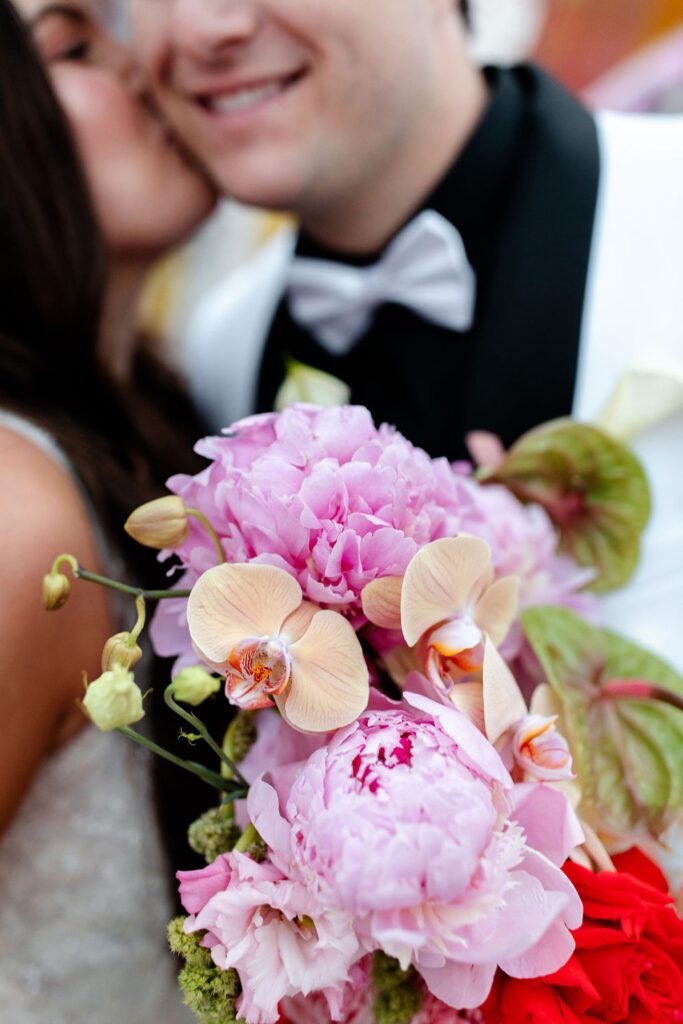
523,196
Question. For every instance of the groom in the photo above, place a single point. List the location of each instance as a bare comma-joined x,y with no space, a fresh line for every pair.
476,250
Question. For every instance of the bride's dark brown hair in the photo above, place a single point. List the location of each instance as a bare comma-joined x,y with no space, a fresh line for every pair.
122,444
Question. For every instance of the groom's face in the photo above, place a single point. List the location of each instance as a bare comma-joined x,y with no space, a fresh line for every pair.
286,101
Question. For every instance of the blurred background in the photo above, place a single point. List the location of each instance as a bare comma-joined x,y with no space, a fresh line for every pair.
624,55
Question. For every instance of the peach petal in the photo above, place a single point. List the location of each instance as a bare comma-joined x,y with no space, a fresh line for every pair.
497,607
230,603
296,624
381,601
469,698
544,702
504,704
440,581
330,682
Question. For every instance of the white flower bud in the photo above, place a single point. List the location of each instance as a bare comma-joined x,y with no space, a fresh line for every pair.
308,385
193,685
114,700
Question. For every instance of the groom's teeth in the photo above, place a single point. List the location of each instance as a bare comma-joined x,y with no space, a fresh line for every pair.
245,98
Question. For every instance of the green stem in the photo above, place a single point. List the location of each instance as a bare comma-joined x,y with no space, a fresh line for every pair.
210,530
247,839
140,623
149,595
57,564
197,724
205,774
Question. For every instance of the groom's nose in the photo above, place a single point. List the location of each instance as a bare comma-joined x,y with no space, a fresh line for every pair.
205,32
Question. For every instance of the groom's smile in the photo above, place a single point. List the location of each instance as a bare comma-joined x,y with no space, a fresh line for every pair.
246,96
287,102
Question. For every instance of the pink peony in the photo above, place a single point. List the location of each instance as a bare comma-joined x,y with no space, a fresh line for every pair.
407,822
271,930
357,1005
338,502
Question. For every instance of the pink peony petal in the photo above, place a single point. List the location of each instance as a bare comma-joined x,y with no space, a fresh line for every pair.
469,739
263,808
330,681
197,887
230,603
440,583
462,986
548,820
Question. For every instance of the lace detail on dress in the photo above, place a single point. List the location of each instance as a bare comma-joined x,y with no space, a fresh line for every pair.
84,898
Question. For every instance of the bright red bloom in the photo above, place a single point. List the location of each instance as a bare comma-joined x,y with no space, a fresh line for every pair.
628,964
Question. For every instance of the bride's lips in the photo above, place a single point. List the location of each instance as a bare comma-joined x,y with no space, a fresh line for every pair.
237,101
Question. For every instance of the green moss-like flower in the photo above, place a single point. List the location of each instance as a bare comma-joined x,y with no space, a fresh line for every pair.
398,995
215,832
210,992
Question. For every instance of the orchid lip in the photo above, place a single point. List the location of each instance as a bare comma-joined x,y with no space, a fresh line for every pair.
258,669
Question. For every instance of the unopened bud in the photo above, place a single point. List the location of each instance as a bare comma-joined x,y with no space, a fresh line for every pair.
306,384
56,590
193,685
114,700
118,650
161,523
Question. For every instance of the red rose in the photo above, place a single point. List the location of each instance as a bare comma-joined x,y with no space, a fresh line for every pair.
628,963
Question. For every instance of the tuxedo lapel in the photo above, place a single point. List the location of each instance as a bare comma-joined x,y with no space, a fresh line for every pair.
523,367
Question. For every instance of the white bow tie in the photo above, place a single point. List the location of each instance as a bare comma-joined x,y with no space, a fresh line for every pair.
424,268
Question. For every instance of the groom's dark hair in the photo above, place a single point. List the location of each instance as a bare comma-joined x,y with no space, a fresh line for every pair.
464,7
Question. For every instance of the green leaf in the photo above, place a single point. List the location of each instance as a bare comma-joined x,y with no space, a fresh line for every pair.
628,753
593,488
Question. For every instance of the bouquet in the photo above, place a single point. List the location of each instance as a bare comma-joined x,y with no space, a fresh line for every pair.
443,793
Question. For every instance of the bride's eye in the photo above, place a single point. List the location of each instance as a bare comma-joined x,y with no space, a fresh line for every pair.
63,34
78,51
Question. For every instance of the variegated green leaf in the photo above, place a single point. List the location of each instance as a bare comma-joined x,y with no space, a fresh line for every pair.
592,487
628,753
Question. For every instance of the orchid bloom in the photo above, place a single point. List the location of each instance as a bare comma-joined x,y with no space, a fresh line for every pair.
541,751
454,614
250,621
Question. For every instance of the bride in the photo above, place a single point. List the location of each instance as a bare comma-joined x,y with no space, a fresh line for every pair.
89,427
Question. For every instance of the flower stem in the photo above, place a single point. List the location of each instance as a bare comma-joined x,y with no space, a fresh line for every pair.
247,839
197,724
206,774
104,581
210,530
640,689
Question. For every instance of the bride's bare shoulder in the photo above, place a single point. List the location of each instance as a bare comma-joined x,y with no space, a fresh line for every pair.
43,654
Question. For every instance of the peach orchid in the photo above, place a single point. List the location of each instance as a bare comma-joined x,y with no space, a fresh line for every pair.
453,614
251,622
